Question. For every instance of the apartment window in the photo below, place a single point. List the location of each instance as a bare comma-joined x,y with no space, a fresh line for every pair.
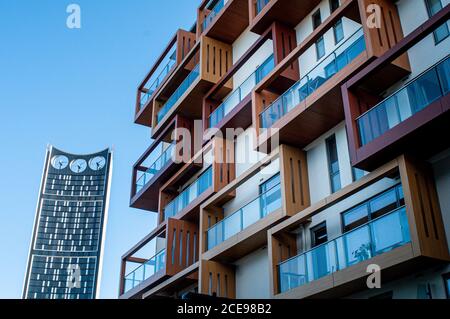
316,19
373,208
319,234
320,48
447,285
338,31
433,7
333,164
334,5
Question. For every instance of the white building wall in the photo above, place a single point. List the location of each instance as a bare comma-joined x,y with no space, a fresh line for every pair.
240,46
317,159
308,60
252,276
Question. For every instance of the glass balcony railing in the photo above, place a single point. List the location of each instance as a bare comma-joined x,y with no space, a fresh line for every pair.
203,182
241,92
404,103
375,238
254,211
184,86
260,4
159,76
154,169
213,13
146,270
329,66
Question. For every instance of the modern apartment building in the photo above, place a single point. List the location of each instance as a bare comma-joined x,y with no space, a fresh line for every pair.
296,144
66,250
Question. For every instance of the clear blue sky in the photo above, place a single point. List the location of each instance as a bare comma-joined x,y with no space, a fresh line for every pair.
75,89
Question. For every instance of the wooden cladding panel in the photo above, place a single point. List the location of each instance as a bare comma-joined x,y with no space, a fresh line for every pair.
294,176
281,248
284,41
216,60
185,42
424,214
182,245
380,40
224,166
217,279
209,217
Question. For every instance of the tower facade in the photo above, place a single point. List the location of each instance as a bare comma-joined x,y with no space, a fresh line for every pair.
338,161
66,249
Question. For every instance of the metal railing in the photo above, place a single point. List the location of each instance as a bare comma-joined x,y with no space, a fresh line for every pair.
327,68
405,102
241,92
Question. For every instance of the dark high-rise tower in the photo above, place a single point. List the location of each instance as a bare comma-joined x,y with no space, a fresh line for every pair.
65,256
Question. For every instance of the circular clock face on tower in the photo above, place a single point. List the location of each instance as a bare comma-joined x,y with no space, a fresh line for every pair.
60,161
78,165
97,163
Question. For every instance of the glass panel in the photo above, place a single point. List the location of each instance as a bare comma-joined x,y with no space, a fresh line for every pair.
184,86
159,75
249,214
342,56
356,214
260,4
241,92
214,12
203,182
401,105
376,237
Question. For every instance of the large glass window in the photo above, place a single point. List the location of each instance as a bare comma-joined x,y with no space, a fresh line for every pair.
333,164
316,19
433,7
373,208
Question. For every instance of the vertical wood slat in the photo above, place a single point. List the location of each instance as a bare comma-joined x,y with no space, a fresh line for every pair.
294,177
380,40
180,228
209,271
284,41
423,209
216,59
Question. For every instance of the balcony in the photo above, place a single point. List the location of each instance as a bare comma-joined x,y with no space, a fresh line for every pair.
375,238
172,56
314,103
183,91
385,219
229,233
145,271
257,209
157,165
290,13
222,111
224,20
383,125
205,174
184,86
188,195
241,92
175,246
348,51
419,93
